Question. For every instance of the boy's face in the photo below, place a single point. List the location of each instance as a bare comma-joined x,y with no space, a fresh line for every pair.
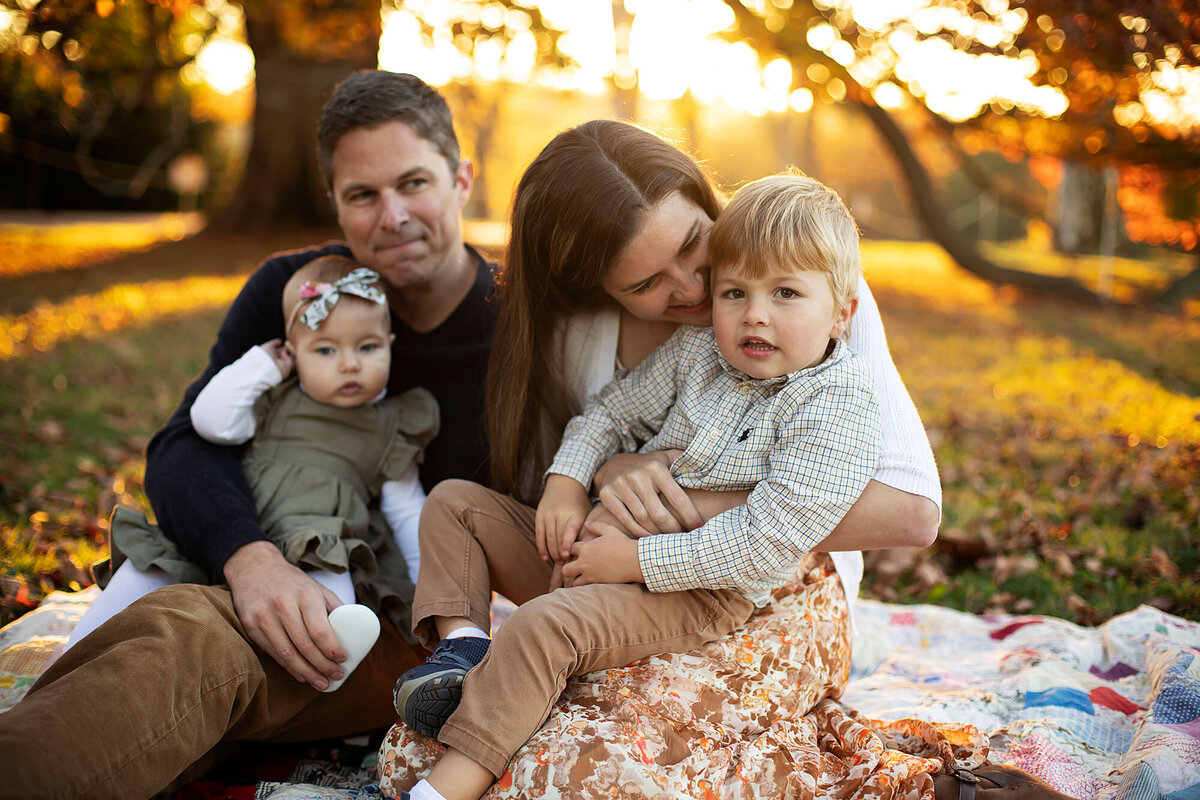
776,324
346,361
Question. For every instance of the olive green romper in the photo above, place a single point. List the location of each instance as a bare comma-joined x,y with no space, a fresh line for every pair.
313,470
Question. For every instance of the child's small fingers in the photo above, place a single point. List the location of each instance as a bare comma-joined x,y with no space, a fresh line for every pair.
553,538
540,537
570,534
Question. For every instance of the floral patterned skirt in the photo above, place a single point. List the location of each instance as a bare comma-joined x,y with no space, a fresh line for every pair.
753,715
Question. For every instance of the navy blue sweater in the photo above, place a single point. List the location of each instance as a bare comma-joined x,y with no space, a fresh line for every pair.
198,490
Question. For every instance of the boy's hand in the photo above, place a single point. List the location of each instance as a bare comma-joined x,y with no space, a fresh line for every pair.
559,517
281,354
642,494
609,557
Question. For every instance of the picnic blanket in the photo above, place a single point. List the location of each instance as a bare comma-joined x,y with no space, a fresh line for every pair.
1104,713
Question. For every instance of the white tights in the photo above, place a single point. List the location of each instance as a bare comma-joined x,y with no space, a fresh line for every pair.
129,583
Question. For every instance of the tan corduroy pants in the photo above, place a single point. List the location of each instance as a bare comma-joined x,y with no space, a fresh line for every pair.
163,689
474,540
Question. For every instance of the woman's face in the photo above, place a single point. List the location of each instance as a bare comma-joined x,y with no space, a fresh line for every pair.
662,274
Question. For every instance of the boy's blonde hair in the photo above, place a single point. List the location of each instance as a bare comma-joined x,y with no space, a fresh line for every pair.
325,269
789,222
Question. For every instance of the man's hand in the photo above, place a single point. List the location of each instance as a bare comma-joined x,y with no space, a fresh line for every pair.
609,557
285,612
281,354
640,492
560,515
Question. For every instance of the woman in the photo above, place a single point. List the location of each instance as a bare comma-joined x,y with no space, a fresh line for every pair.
607,257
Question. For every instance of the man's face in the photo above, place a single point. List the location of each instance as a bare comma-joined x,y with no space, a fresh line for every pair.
398,203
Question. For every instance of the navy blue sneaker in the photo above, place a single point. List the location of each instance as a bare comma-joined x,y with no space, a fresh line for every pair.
428,693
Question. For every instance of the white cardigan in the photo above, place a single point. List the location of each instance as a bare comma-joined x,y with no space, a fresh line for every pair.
906,460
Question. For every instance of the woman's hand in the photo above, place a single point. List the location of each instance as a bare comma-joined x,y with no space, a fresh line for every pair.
640,492
560,515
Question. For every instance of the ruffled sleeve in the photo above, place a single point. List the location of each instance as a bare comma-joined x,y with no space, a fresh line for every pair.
417,422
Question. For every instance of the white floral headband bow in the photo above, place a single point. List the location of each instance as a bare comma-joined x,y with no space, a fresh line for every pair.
324,296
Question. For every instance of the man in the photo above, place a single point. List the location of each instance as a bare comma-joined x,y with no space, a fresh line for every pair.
154,696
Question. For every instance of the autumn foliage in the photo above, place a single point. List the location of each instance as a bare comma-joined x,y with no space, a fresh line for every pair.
1068,438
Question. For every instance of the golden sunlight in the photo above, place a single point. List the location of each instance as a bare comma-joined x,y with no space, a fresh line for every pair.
675,47
47,325
226,65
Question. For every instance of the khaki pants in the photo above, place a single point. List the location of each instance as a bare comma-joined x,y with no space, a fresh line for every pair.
159,692
474,540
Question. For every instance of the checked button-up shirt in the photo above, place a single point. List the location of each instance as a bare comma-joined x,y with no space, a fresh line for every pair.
804,444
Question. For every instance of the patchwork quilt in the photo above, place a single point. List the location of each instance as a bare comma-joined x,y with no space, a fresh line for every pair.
1104,713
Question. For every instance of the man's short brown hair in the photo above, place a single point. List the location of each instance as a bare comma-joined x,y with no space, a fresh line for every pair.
372,98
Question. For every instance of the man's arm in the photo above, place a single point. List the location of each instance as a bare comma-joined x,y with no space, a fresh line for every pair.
197,489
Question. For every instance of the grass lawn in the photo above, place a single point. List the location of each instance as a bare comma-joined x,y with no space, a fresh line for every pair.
1068,437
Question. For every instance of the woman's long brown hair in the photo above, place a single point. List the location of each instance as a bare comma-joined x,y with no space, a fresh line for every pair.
576,208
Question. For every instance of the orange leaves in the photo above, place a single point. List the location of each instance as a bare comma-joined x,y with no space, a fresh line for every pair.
1160,209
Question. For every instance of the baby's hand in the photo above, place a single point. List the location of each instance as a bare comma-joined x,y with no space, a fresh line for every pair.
560,515
281,354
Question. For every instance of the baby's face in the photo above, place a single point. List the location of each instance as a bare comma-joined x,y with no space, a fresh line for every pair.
346,361
775,324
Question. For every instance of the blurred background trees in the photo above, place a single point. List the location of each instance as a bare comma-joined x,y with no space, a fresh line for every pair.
970,121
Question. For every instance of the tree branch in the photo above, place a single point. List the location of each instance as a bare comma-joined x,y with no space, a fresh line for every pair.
928,205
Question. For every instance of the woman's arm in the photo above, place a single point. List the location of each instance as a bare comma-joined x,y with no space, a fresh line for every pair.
885,517
642,496
901,506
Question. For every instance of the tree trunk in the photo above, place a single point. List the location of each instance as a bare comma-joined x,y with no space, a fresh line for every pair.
933,214
1181,289
281,184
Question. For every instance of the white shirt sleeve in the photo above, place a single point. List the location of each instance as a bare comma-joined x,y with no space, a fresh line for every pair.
224,410
906,459
401,501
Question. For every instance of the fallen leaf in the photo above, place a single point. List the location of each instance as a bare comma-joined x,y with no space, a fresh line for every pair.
1059,560
1162,564
51,432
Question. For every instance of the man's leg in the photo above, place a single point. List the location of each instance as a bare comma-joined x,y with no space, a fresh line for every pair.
129,709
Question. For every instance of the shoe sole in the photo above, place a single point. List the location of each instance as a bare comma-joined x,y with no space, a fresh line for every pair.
427,702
